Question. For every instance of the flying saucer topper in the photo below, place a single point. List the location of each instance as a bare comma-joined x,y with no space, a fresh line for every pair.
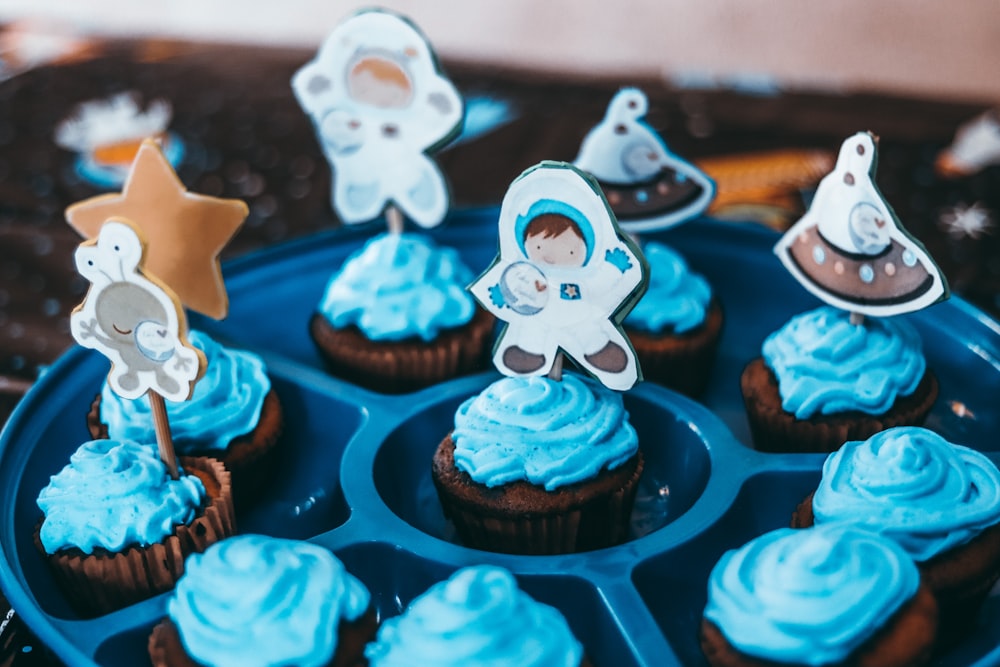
647,186
564,279
851,251
380,105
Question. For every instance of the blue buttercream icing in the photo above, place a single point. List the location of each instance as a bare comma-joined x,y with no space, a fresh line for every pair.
226,403
113,495
256,601
478,618
676,299
809,596
825,365
400,286
547,432
913,486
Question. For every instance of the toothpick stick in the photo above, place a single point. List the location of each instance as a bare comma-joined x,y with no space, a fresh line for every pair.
857,319
164,440
555,373
394,219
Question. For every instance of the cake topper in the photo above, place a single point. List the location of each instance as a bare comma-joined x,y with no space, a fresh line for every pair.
564,279
380,104
647,186
976,146
185,232
851,251
136,322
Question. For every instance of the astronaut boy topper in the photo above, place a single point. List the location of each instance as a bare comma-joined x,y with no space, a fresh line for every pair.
564,279
380,104
851,251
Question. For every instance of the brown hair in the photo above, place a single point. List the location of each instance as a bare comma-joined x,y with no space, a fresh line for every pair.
551,224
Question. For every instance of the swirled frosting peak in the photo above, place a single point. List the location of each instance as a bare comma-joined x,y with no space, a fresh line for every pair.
478,618
676,299
400,286
550,433
913,486
825,364
226,403
113,495
809,596
256,601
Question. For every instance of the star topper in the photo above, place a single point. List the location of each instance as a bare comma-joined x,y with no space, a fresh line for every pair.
185,232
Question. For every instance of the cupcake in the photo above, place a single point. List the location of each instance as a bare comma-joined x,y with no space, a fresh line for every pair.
234,415
939,501
540,466
116,528
823,380
478,617
255,601
676,326
832,595
396,317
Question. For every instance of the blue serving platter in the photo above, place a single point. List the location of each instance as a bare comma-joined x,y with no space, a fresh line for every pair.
355,475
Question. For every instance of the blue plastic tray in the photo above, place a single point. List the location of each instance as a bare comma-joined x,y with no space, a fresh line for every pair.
356,469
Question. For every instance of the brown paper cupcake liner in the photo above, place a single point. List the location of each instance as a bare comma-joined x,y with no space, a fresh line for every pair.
520,518
775,430
682,362
167,650
102,582
396,367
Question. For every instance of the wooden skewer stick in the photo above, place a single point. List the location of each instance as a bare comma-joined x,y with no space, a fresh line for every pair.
857,319
164,440
394,220
555,373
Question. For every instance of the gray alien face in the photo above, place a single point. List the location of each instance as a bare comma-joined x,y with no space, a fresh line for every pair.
134,321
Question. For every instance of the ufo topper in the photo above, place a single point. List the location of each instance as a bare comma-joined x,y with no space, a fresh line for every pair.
647,186
380,104
564,279
851,251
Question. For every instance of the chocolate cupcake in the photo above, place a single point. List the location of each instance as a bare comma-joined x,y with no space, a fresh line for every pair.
824,380
264,601
831,595
234,415
938,500
116,528
539,466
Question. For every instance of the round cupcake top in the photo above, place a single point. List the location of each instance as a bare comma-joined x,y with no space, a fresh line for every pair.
911,485
477,618
809,596
256,601
226,402
400,286
114,494
825,365
676,299
547,432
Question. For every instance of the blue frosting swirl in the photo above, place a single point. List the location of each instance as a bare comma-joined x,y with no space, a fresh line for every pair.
825,365
226,403
400,286
676,298
911,485
547,432
477,618
256,601
113,495
809,596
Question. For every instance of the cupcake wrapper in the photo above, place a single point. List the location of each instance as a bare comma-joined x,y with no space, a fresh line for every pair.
395,367
102,582
774,430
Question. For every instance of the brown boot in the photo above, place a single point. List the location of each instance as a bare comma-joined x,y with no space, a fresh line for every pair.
611,358
522,361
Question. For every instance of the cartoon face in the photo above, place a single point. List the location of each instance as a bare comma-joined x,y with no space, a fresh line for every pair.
379,80
554,240
122,306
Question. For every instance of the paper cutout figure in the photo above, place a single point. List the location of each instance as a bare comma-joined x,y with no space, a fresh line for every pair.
186,232
564,279
851,251
647,186
106,135
132,319
380,104
976,146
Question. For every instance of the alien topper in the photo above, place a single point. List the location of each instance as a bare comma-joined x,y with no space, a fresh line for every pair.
380,104
647,186
130,318
851,251
564,279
